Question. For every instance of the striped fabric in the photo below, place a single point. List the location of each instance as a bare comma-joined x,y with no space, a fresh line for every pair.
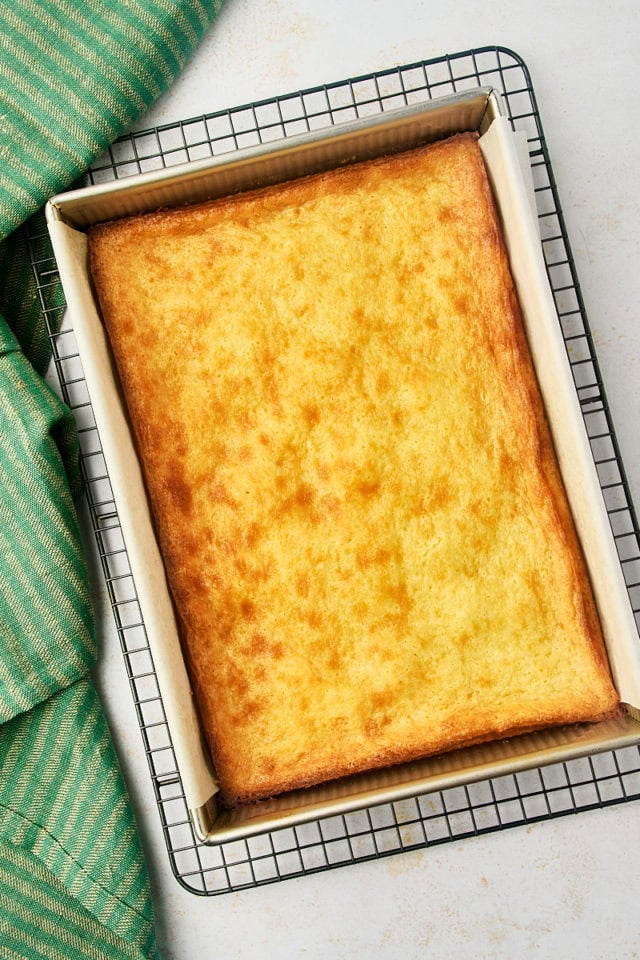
72,875
73,882
19,301
39,543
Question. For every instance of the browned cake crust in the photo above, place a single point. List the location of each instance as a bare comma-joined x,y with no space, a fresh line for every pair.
356,495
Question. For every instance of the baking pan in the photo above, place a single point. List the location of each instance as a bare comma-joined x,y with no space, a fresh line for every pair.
68,216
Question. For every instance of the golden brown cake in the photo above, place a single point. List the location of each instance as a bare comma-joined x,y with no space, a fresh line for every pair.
356,496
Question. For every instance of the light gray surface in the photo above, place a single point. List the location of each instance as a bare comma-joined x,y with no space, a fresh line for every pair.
563,888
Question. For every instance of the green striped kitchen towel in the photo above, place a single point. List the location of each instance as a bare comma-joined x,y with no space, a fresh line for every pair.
73,882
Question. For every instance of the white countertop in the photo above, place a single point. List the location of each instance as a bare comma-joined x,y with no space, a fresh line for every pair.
560,888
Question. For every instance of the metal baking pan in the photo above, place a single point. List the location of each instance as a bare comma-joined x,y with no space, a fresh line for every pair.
270,163
70,214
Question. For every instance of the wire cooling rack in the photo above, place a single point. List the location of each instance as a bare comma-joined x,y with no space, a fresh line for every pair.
437,817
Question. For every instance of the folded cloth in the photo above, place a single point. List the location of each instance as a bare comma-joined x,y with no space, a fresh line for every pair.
73,882
72,875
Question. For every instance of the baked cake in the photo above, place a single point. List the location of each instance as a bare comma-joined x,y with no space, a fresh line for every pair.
354,487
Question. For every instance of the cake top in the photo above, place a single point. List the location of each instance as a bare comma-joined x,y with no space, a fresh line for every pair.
352,478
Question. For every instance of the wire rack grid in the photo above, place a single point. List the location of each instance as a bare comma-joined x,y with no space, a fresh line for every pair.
422,821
